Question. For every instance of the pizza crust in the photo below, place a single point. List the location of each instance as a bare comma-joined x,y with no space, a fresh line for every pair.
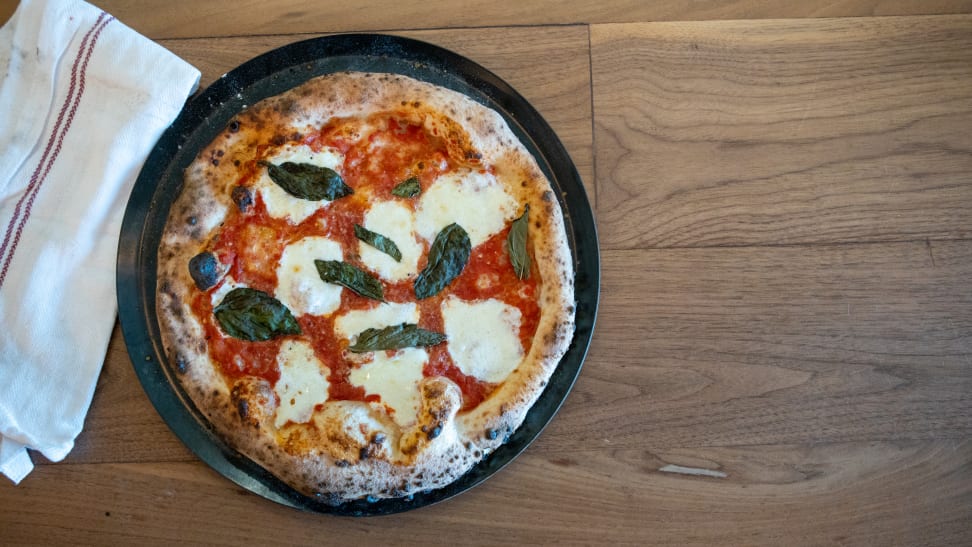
349,449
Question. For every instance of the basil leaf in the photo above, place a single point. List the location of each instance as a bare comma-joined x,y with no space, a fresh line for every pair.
408,189
447,257
378,241
310,182
406,335
249,314
352,277
516,244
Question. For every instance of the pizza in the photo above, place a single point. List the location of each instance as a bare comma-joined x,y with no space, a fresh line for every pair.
364,284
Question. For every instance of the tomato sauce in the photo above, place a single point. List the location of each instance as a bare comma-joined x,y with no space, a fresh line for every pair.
251,243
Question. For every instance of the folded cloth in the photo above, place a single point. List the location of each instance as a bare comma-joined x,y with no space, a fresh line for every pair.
83,99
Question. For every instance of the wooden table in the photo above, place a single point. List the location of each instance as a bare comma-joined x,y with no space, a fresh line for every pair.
783,354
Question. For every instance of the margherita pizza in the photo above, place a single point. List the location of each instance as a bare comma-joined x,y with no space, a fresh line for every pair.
365,284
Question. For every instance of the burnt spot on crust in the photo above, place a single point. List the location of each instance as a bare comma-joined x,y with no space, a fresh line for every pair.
286,105
204,269
243,408
234,126
278,140
181,364
342,463
547,196
432,432
243,198
491,434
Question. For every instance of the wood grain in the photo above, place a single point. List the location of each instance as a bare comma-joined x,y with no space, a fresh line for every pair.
161,19
900,493
776,345
561,92
783,132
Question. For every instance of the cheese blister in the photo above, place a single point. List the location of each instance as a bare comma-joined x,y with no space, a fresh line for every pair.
302,385
474,200
483,337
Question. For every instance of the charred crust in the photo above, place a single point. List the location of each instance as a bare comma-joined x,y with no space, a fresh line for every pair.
243,198
243,408
181,364
434,431
204,269
342,463
278,140
378,438
234,126
492,434
286,105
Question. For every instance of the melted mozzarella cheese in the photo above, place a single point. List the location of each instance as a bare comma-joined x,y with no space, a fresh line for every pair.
395,379
281,204
302,385
384,315
396,222
474,200
299,285
483,337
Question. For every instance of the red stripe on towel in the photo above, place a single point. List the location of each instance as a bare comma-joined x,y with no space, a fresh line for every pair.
53,149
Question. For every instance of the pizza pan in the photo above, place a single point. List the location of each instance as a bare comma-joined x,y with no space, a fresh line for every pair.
272,73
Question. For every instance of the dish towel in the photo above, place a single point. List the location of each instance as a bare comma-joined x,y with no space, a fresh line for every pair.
83,99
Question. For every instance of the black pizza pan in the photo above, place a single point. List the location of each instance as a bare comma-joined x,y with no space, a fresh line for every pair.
272,73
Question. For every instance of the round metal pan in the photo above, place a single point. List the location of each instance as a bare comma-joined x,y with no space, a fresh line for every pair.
272,73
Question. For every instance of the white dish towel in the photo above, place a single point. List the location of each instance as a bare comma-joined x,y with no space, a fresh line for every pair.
83,99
